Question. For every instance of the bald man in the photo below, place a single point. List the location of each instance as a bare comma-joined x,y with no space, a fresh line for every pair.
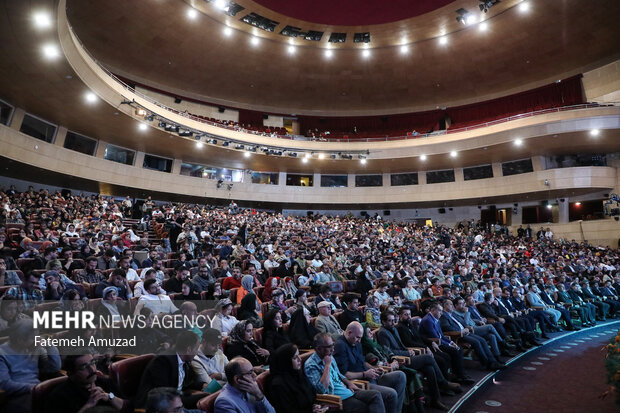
352,364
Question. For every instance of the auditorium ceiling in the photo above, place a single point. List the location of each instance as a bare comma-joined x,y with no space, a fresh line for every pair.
154,42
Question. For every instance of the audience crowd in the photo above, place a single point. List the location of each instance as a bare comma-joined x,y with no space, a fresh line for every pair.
307,313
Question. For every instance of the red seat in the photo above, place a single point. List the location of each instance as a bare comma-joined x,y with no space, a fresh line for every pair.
126,374
262,380
258,335
41,391
207,404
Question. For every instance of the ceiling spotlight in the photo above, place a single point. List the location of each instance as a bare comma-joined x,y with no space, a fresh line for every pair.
366,53
422,157
483,26
228,31
142,126
443,40
221,4
518,142
291,49
465,17
192,13
595,132
51,51
246,154
328,53
363,161
307,156
470,19
254,40
549,206
90,97
453,154
304,160
524,6
42,20
199,145
321,156
577,203
404,49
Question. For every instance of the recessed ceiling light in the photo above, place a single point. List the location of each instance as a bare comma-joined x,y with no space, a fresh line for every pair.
227,31
321,156
422,157
595,132
483,26
518,142
443,40
307,156
142,126
304,160
524,6
366,53
192,13
254,40
42,20
453,154
246,154
363,161
51,51
471,19
291,49
549,206
199,145
90,97
404,49
221,4
328,53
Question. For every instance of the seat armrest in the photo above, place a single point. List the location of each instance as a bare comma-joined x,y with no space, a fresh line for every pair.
330,400
362,384
402,359
417,350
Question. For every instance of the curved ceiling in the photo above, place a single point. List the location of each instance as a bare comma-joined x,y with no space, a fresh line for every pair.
156,44
352,12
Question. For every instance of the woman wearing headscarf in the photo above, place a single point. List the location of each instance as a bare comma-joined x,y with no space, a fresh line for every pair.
273,334
277,303
287,387
108,306
284,269
289,287
247,287
223,320
373,315
241,344
363,285
301,332
270,285
247,311
376,354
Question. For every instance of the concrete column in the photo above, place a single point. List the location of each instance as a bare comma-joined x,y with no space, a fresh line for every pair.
351,181
387,180
17,119
61,135
282,178
563,211
316,180
101,146
176,166
422,178
295,127
516,218
497,169
538,163
139,159
458,175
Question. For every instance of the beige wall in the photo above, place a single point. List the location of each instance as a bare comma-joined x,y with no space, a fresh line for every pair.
603,232
603,84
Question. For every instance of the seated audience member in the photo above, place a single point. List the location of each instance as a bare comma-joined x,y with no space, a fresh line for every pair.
10,314
241,344
326,322
154,300
210,361
188,292
287,386
242,394
90,274
175,284
174,371
203,280
493,311
273,334
150,274
587,318
301,331
21,366
84,389
223,320
270,285
325,377
107,261
27,292
232,281
448,321
248,311
381,293
575,294
352,364
247,285
410,293
150,339
166,400
373,315
301,301
8,277
111,305
289,288
55,287
326,295
116,279
277,303
351,312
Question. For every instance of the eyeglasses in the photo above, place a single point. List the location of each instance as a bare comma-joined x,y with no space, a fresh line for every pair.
251,373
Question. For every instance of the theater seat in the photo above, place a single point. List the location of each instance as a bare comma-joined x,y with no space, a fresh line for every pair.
41,391
262,380
207,404
126,374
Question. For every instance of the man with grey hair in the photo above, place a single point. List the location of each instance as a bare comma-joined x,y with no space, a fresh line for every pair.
241,394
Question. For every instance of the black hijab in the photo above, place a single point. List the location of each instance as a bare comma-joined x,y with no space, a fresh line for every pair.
288,389
300,331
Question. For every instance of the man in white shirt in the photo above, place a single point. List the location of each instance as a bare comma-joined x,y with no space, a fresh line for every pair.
130,273
158,303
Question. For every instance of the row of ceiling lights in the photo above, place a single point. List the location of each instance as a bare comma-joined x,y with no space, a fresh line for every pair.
468,19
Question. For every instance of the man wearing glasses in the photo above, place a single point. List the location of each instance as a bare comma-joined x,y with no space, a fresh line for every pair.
241,394
84,389
325,377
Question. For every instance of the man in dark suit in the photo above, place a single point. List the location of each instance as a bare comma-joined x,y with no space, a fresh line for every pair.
174,371
492,310
580,300
602,307
606,294
546,295
449,322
